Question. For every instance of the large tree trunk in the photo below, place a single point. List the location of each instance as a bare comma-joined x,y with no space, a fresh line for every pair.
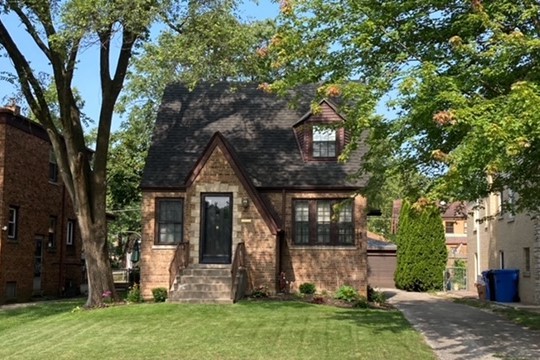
96,253
84,175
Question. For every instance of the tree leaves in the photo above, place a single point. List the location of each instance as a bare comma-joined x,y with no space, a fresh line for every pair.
463,78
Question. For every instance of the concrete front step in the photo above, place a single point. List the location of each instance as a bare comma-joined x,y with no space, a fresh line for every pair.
202,283
193,294
210,272
203,301
190,279
210,287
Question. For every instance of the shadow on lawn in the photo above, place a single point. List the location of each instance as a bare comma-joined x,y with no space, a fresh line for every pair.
275,304
378,320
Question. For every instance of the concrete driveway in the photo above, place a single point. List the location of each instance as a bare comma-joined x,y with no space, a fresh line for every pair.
457,331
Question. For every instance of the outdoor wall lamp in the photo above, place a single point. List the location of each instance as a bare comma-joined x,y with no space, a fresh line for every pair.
245,203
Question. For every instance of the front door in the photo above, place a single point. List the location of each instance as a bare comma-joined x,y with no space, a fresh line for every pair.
216,229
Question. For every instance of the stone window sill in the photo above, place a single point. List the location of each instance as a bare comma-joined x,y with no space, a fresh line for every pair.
164,247
323,247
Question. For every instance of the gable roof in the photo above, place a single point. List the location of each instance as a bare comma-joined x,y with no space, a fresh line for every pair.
256,124
218,141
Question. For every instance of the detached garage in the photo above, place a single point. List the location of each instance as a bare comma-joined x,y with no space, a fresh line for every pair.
382,261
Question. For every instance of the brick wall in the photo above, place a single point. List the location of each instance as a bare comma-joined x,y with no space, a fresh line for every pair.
25,184
328,267
216,176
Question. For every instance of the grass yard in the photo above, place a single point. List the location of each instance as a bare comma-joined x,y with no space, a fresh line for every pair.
247,330
525,318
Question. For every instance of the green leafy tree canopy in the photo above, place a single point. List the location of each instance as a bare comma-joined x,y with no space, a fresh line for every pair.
462,79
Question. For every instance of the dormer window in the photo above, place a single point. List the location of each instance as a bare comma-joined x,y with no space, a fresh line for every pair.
321,136
324,142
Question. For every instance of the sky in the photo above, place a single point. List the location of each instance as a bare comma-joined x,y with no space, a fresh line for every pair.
86,78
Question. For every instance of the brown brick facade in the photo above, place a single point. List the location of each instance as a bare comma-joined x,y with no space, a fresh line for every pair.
328,267
25,185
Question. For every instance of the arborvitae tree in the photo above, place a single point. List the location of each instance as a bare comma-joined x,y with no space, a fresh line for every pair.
421,248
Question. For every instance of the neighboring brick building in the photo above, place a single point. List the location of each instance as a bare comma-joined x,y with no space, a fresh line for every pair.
455,231
40,249
232,168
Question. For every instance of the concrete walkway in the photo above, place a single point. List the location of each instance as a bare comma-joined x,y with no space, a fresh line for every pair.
457,331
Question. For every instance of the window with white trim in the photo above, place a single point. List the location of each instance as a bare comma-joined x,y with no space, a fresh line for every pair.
324,142
70,233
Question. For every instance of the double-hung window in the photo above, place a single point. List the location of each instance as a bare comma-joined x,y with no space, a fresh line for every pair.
323,222
169,221
53,168
51,243
70,233
324,142
449,227
301,222
12,223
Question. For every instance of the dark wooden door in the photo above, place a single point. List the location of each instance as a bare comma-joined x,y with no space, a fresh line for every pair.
216,229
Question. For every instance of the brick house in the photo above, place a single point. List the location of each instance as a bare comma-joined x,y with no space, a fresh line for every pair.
240,190
40,249
455,231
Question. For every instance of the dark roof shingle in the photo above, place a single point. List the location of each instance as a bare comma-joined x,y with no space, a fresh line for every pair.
257,124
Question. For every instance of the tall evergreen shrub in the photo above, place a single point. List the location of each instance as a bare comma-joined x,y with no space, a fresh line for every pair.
421,255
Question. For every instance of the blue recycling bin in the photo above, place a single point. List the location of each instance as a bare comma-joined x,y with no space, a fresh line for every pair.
506,285
487,276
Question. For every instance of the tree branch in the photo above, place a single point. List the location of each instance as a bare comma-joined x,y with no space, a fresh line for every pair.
72,59
30,85
31,30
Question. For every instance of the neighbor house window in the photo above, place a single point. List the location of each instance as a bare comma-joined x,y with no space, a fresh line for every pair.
51,243
323,222
449,227
501,259
70,233
12,223
527,259
169,221
53,167
11,290
324,142
511,203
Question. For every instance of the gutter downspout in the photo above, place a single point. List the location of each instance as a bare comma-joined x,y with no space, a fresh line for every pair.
61,242
478,247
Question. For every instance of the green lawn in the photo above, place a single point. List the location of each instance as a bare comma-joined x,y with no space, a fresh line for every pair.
526,318
247,330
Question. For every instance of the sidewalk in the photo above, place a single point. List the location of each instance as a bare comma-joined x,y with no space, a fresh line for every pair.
457,331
